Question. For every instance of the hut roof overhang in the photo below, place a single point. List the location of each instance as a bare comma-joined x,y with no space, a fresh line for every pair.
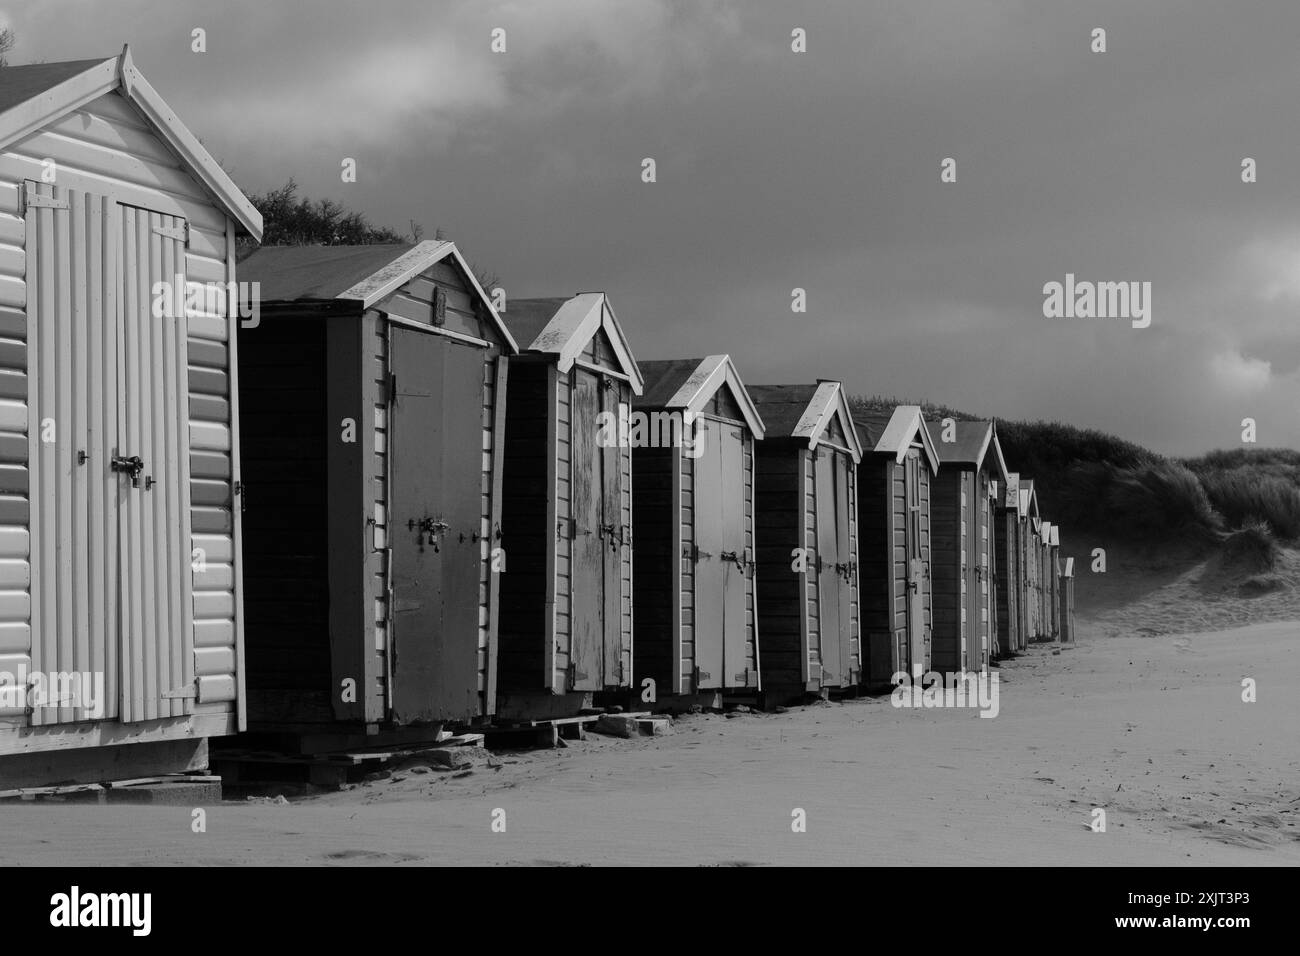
689,384
805,412
895,433
32,97
562,327
358,276
975,446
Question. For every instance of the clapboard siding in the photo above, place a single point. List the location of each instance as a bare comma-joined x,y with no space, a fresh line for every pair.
107,148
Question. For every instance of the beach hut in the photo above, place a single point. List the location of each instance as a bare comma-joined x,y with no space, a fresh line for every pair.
1054,580
372,405
899,464
693,432
566,601
970,461
807,526
1010,597
1067,602
121,622
1031,562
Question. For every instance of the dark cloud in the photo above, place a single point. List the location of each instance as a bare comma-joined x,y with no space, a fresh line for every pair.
817,170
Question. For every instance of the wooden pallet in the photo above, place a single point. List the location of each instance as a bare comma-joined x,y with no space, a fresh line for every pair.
325,769
534,734
103,792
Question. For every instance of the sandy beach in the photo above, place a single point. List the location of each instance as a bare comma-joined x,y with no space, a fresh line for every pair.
1152,729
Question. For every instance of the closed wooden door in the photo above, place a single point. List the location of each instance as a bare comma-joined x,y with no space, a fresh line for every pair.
587,570
710,597
156,577
830,579
736,564
437,535
111,578
915,569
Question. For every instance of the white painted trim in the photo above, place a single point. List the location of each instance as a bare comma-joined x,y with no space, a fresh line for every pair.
412,263
120,73
711,374
828,401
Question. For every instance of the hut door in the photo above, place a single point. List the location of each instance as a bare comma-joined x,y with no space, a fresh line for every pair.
588,572
710,541
915,567
829,562
157,610
735,564
109,459
436,466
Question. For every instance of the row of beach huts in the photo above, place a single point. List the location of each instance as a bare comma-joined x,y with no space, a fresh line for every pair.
382,505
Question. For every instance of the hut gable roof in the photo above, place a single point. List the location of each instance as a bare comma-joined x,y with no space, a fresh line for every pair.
32,97
1056,536
689,384
971,445
1013,498
363,275
1030,500
893,432
813,412
563,327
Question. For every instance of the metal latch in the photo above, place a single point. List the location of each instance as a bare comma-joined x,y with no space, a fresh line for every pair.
129,466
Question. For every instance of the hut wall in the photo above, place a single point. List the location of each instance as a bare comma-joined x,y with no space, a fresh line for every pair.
106,149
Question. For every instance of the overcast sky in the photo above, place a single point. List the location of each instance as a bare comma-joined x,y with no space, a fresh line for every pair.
818,170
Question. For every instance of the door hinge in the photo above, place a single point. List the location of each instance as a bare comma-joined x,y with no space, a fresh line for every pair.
34,200
189,692
180,233
567,528
390,386
238,492
575,675
699,677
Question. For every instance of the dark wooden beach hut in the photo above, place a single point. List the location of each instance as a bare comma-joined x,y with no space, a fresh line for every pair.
121,606
962,532
566,600
693,433
1054,581
807,527
895,476
1031,550
1010,574
372,392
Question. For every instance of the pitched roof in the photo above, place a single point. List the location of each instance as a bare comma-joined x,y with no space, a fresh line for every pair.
782,406
972,442
806,412
894,430
33,96
314,273
18,84
364,275
689,384
563,327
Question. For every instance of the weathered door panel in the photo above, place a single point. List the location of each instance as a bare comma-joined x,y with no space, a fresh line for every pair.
735,619
613,549
72,238
917,663
466,477
418,523
587,567
847,560
156,580
829,580
710,570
